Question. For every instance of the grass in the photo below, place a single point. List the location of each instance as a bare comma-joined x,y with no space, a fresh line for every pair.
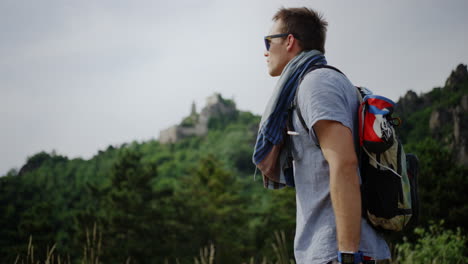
92,251
434,243
206,255
51,258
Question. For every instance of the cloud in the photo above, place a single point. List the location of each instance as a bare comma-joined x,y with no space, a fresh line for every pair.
76,76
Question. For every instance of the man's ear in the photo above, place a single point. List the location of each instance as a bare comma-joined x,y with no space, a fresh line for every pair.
292,42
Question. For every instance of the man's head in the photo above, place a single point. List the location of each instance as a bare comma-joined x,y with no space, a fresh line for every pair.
302,28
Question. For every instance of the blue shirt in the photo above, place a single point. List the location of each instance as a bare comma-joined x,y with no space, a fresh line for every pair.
324,94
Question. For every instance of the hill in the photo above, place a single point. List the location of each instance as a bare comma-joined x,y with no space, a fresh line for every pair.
440,114
156,202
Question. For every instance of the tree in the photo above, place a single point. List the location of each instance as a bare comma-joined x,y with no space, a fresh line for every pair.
441,185
131,226
218,212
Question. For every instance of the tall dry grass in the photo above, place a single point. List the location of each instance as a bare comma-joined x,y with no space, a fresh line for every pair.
206,255
51,258
92,251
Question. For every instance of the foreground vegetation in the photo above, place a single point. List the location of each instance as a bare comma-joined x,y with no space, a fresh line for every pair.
434,245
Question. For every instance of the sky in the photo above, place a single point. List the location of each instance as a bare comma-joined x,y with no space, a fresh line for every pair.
78,76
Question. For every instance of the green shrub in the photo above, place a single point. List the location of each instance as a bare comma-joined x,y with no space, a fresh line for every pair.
435,245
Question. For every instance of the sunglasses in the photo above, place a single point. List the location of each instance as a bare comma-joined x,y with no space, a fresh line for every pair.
267,39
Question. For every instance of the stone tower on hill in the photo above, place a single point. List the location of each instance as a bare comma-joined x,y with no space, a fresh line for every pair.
196,124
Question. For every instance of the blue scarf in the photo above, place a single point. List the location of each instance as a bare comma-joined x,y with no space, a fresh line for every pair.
274,118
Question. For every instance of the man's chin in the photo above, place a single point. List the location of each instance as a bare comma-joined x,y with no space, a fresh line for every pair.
274,74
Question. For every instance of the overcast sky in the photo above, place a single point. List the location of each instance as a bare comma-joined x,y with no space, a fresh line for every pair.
78,76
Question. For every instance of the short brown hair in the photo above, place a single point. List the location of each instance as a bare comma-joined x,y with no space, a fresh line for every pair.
306,24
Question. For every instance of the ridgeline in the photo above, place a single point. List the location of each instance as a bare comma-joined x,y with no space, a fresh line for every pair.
163,200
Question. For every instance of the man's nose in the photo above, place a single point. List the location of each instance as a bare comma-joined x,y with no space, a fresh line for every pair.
266,53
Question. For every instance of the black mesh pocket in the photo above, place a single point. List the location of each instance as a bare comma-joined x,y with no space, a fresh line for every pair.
381,194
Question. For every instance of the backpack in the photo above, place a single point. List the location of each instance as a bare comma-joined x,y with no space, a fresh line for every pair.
389,188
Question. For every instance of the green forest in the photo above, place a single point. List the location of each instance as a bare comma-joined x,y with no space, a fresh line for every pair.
197,200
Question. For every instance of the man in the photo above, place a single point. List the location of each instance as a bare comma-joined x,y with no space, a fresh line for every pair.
329,225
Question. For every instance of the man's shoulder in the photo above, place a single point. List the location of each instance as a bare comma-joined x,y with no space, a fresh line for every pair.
326,75
325,81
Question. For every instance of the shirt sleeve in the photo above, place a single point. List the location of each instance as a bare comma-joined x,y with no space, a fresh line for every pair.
325,94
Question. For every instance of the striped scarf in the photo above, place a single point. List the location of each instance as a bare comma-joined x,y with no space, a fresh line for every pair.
274,119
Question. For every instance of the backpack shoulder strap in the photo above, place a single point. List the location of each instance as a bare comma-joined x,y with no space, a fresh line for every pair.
296,105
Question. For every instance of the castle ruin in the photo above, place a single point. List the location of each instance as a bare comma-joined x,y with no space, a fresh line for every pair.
197,124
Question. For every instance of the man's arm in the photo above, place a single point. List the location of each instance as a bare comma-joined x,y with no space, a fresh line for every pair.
336,142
